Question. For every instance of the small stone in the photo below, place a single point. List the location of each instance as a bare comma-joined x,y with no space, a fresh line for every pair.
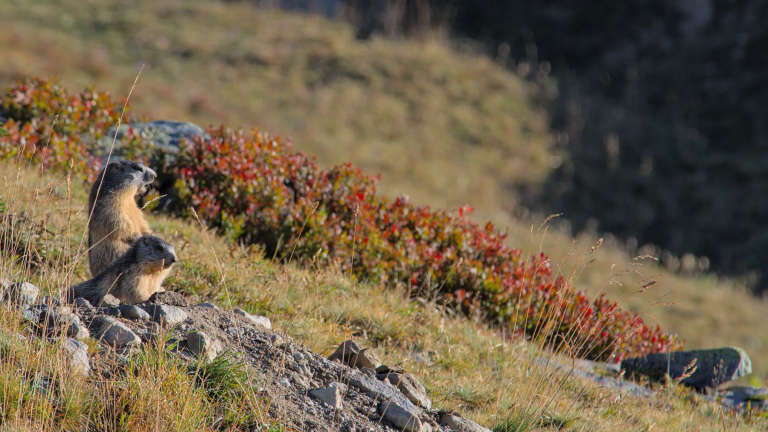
331,395
21,294
32,314
114,333
458,423
171,298
351,355
165,314
109,301
200,344
254,319
298,357
55,319
209,305
283,381
276,340
411,388
78,359
134,312
711,367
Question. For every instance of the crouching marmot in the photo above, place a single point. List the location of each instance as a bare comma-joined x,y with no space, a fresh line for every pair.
133,277
115,219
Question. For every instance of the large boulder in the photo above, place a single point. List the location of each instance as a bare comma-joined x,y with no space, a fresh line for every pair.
699,369
165,135
745,398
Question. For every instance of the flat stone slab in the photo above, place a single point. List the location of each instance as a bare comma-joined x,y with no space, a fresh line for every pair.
699,369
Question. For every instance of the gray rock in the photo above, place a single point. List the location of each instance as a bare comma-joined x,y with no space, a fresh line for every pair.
400,417
393,406
331,395
111,311
743,398
254,319
50,301
164,134
20,294
114,333
166,315
712,366
83,305
134,312
458,423
209,305
200,344
77,353
350,354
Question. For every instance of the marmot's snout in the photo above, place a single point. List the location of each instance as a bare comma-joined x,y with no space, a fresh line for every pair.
149,175
170,258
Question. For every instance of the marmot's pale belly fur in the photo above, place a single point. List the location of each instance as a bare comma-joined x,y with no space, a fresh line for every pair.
134,276
116,221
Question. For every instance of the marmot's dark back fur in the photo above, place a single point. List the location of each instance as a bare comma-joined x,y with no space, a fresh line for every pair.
115,219
134,276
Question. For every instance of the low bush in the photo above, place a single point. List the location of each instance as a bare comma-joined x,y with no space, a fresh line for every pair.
256,189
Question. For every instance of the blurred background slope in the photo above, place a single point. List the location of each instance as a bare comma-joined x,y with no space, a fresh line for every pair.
641,120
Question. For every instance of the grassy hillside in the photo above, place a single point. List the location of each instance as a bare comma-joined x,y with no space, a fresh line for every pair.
468,366
388,106
444,127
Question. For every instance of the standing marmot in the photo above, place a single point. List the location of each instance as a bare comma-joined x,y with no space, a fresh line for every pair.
133,277
115,219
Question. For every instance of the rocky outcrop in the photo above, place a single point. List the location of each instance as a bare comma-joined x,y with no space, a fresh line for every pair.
352,393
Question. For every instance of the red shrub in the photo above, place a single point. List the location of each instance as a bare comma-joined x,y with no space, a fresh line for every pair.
48,126
255,189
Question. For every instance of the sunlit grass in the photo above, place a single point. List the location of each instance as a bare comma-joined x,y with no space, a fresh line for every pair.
464,365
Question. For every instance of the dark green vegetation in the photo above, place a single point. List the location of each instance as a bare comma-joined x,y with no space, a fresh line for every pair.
661,108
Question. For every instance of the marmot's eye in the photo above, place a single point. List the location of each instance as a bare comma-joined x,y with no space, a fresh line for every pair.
159,247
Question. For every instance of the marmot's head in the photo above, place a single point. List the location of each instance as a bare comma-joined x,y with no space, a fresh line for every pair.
121,175
153,254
